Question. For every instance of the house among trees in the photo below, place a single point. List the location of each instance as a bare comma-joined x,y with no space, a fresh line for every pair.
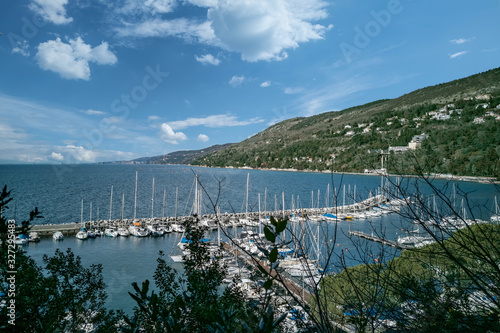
416,141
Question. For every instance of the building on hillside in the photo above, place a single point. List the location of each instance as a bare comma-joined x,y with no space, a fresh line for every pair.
350,133
416,141
483,97
399,149
482,105
478,120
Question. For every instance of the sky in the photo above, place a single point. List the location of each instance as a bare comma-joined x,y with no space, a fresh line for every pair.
85,81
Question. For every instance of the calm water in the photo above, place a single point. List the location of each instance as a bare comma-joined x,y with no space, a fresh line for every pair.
58,192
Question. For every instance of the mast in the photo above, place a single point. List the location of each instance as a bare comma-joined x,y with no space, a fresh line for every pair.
260,224
135,196
164,199
91,212
176,192
327,199
153,198
110,203
265,199
246,207
283,199
195,207
318,199
81,214
123,204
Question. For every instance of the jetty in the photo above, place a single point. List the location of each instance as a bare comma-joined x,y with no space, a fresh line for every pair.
378,239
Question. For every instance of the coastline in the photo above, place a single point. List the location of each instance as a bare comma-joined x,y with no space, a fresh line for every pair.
474,179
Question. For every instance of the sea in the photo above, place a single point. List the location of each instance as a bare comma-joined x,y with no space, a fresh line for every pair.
75,193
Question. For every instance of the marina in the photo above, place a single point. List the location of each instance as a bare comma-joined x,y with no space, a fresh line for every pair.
97,198
247,219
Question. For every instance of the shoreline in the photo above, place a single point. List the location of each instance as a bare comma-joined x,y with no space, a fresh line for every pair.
474,179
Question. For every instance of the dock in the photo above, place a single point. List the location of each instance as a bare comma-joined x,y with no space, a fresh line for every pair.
378,239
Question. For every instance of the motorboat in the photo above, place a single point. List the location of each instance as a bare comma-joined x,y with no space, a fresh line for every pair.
110,232
57,236
82,235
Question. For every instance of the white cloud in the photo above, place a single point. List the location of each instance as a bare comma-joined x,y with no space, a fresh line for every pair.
161,6
220,120
203,138
265,84
168,135
293,90
237,80
458,54
144,7
189,30
208,59
153,118
91,112
71,60
22,48
460,41
263,30
258,29
56,156
51,10
78,154
202,3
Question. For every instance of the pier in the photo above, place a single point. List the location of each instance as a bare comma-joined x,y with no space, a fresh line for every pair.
378,239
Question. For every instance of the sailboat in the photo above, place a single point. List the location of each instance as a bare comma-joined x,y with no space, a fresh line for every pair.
122,231
110,231
82,234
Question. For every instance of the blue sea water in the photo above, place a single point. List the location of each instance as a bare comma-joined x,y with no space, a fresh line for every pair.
58,192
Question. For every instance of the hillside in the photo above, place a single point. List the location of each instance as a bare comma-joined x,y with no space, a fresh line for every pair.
177,157
463,134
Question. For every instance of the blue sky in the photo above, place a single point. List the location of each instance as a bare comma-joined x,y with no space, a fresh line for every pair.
93,80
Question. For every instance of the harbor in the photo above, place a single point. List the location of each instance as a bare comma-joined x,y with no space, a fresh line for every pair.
347,213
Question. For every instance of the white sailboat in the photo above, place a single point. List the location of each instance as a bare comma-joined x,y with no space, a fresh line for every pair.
82,233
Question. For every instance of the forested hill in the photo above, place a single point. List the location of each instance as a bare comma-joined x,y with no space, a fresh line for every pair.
176,157
461,120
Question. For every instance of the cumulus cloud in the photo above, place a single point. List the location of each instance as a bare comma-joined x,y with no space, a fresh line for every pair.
258,30
237,80
78,154
22,47
263,30
458,54
265,84
51,10
71,61
167,134
208,59
214,121
56,156
203,138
